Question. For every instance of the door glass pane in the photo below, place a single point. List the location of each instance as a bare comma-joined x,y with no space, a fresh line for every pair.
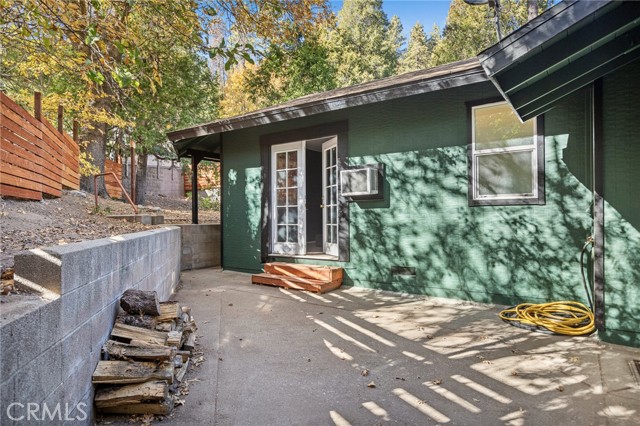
333,215
282,197
333,156
281,179
282,234
292,236
292,216
293,197
334,234
292,178
292,159
505,173
282,215
334,195
281,162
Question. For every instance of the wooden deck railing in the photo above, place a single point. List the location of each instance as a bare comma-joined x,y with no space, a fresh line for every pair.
35,158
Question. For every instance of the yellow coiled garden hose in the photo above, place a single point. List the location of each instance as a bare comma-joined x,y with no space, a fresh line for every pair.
566,317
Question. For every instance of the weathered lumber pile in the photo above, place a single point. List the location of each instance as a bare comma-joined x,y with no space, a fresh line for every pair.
146,357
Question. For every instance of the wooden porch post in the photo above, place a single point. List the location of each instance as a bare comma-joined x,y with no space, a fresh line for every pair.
195,160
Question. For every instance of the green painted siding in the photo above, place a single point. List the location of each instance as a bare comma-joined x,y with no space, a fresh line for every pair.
491,254
622,204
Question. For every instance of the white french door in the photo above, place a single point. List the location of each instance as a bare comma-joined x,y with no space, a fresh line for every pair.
330,196
288,195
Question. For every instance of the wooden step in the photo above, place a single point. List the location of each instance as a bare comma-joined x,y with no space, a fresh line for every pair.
296,283
296,270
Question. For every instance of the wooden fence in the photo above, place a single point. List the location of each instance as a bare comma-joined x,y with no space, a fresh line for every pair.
113,189
207,178
35,158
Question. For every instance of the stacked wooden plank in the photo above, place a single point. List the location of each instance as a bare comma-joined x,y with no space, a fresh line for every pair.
314,278
146,357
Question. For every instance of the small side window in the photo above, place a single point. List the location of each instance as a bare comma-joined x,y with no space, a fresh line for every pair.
506,157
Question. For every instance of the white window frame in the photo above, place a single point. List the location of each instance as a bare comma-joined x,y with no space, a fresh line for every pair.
536,148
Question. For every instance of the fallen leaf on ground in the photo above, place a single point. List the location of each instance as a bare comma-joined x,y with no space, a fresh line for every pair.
364,372
371,385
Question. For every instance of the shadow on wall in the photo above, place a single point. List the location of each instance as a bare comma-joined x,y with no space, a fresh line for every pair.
500,254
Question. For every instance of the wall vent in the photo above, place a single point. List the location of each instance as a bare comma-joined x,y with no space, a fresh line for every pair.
407,271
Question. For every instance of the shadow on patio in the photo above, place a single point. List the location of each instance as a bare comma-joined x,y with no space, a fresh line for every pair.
363,357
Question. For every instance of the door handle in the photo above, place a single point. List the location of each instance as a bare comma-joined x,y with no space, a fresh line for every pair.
322,206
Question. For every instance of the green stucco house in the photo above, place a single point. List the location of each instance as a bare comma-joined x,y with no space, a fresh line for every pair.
477,180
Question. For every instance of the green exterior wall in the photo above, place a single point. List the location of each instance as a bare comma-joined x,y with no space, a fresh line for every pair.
507,254
621,92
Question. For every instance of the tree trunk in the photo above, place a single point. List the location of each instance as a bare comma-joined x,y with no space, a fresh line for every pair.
532,9
141,177
96,138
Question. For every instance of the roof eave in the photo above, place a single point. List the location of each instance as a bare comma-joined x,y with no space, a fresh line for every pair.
473,73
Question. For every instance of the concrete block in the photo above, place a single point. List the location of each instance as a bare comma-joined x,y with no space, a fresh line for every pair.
139,274
56,406
157,220
40,267
19,343
105,261
99,290
101,325
36,380
144,245
77,349
128,249
83,262
7,397
70,305
114,289
83,414
51,324
79,384
186,230
126,277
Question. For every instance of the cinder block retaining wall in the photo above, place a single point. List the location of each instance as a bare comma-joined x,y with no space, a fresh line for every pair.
200,246
49,348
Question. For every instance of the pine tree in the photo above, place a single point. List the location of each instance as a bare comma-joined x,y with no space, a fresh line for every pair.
418,54
471,29
396,41
361,47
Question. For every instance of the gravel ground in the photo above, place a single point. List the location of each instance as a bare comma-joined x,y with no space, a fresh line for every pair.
26,225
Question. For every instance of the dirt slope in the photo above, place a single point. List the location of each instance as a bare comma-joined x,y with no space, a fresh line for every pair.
26,225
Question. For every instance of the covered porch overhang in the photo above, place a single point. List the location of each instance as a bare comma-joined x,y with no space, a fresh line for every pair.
198,148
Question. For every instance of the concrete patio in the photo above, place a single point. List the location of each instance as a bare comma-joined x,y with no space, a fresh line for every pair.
362,357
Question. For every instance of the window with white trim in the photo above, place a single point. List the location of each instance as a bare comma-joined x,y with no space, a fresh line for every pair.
506,157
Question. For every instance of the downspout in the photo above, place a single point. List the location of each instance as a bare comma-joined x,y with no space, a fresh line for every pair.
598,205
